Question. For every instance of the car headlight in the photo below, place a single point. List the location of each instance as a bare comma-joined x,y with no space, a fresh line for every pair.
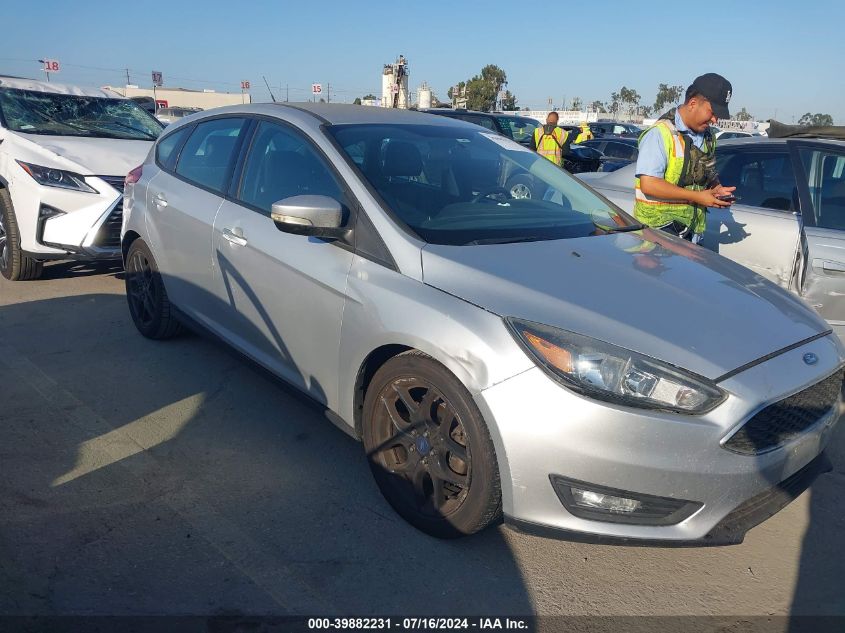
614,374
51,177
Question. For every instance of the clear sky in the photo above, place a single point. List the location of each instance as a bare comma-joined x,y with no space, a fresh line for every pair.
783,58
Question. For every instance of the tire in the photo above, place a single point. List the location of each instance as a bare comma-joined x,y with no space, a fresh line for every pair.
523,186
14,265
151,310
443,481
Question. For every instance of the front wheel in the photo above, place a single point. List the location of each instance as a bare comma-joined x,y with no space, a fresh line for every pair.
429,449
149,305
14,265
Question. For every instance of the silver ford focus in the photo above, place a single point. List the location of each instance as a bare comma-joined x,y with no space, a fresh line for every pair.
544,359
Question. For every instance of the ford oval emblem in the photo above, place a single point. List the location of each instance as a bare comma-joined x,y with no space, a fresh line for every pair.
810,358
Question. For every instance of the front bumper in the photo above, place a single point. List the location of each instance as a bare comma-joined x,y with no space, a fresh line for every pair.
57,223
540,429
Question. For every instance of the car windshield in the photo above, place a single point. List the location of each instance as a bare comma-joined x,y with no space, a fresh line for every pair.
519,128
35,112
453,185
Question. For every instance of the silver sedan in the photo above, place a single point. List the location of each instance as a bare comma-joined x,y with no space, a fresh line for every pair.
545,360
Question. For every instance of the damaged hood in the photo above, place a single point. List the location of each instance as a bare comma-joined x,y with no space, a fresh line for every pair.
90,156
643,291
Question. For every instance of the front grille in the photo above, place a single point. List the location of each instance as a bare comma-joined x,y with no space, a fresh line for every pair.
782,421
109,234
115,181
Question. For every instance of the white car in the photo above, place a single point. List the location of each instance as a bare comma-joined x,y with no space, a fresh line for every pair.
64,154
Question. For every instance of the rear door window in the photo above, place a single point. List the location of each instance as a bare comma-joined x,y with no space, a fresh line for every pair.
166,149
209,153
826,181
620,150
762,179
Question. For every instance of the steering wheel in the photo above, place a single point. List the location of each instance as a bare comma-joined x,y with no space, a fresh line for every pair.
491,192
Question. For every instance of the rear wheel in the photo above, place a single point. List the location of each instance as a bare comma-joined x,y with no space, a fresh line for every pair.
429,449
149,305
14,265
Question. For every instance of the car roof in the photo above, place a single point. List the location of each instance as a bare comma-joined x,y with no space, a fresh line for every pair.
747,141
19,83
456,111
340,114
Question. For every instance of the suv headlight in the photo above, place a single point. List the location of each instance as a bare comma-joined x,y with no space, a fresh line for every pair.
50,177
614,374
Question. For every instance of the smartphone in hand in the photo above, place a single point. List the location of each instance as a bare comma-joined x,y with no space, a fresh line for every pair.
728,198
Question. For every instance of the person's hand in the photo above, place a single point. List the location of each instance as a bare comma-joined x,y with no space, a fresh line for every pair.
709,197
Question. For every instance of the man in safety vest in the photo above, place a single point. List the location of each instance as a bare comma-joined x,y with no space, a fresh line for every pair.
585,134
550,140
676,178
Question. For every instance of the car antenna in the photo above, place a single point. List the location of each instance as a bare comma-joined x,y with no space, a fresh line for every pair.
268,88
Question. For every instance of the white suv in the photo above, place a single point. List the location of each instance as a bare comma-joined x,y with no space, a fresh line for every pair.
64,154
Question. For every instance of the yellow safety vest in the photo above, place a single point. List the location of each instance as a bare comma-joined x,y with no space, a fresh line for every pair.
657,212
550,145
586,134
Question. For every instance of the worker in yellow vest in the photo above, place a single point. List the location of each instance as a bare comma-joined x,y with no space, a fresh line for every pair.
550,140
676,179
585,133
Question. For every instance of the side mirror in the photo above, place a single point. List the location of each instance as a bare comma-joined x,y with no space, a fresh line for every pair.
317,216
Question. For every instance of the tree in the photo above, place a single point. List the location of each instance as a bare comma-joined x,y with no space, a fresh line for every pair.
597,106
509,102
365,97
630,98
667,95
482,90
357,101
744,115
613,104
577,104
815,119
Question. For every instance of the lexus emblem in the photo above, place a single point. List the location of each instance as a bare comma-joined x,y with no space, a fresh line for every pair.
810,358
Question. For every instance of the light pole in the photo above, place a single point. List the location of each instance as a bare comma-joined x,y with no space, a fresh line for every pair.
46,72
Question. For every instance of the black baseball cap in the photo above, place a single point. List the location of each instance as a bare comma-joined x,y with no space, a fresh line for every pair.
717,90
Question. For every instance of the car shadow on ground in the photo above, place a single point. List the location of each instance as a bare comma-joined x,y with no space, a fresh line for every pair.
143,477
69,269
819,588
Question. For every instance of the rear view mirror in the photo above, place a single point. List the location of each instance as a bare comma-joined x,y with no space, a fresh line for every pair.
318,216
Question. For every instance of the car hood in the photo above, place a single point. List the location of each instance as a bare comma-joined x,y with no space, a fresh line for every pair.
644,291
91,156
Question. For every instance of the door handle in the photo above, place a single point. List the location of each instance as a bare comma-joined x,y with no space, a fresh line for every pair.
233,237
829,266
159,200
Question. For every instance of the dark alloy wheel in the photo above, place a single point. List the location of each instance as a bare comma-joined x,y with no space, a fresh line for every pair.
429,450
148,302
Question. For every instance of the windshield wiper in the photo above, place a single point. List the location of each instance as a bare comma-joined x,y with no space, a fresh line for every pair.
621,229
505,240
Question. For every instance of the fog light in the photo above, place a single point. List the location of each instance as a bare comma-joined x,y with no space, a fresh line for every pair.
590,499
600,503
46,211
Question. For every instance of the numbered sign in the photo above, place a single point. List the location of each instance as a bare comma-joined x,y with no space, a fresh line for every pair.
244,85
316,89
51,65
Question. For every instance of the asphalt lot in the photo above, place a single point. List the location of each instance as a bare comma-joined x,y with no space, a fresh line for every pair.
141,477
